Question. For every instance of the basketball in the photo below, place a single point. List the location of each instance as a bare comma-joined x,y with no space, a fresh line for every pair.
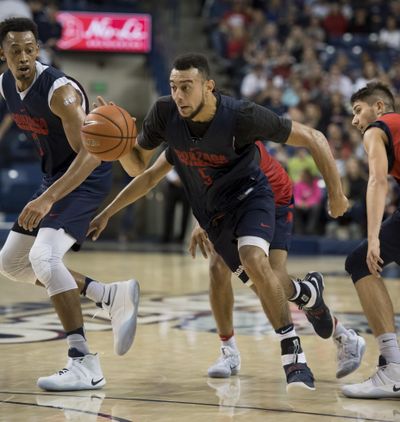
109,132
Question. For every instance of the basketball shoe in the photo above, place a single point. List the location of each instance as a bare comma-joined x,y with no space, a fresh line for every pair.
298,377
121,300
81,373
385,383
298,374
319,314
228,364
350,350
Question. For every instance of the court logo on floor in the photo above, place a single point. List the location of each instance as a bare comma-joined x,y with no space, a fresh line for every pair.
33,322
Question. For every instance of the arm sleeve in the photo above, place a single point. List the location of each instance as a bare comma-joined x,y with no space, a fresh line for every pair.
258,123
153,130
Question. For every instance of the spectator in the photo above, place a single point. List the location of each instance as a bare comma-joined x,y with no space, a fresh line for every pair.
254,83
307,203
389,36
335,23
355,185
301,161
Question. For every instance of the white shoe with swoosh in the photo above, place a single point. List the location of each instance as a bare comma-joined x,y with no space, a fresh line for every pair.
385,383
228,364
121,301
81,373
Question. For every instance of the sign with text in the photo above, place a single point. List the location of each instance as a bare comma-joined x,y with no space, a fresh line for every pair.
107,32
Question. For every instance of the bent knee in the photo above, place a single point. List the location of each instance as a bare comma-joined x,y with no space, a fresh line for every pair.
16,269
40,257
252,257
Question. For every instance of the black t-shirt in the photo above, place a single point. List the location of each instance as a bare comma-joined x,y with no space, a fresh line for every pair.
214,159
254,123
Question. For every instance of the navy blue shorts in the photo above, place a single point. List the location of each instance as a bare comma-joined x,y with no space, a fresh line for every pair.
74,212
389,239
275,225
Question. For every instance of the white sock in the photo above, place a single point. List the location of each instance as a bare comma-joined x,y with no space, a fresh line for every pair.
95,291
389,347
230,343
78,342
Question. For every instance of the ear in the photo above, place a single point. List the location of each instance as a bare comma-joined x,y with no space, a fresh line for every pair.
210,85
380,107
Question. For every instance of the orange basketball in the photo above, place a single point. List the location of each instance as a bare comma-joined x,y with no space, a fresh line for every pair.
109,132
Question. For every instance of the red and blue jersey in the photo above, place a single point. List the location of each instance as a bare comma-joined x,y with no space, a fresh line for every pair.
277,176
390,124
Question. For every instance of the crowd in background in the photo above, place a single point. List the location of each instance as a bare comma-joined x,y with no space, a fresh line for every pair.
300,58
304,59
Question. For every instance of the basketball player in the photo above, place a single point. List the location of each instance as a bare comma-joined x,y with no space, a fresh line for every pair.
350,346
50,107
211,139
375,117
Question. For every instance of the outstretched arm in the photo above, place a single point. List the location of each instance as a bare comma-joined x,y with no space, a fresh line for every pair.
317,144
136,189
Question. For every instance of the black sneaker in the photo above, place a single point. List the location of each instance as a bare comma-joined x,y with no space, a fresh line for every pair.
319,315
298,375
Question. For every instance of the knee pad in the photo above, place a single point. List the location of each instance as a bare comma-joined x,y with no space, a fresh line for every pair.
356,264
16,268
50,269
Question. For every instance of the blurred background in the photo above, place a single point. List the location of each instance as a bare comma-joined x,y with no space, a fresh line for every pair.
300,58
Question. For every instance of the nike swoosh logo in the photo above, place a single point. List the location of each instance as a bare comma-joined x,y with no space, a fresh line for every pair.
385,341
396,389
265,225
96,382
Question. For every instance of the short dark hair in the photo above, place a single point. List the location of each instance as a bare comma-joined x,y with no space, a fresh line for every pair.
193,60
373,92
17,25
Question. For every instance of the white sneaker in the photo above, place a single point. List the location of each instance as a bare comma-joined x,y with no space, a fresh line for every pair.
350,350
121,302
83,373
385,383
228,364
84,407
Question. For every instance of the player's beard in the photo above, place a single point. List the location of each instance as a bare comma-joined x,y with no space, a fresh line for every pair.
197,110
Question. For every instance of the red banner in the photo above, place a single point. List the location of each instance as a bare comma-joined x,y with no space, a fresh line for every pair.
111,32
